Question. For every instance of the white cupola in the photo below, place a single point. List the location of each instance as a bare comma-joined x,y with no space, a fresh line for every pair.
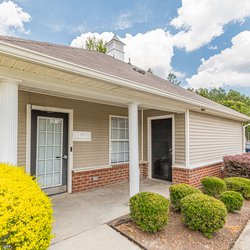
115,48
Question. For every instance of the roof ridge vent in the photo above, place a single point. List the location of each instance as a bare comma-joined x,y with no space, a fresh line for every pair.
141,71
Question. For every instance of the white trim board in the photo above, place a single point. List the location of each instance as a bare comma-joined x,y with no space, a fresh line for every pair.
70,112
149,140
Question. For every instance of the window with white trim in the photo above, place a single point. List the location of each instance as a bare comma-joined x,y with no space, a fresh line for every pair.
119,139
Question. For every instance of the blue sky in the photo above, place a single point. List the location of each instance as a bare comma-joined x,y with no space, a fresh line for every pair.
216,35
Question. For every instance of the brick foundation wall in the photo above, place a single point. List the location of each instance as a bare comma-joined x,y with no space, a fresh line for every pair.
83,180
194,176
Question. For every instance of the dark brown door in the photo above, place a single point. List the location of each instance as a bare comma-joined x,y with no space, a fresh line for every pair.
161,133
49,150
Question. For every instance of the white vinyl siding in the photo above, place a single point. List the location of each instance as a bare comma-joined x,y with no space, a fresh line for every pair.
212,137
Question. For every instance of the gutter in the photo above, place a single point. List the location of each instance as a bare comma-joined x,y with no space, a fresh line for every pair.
49,61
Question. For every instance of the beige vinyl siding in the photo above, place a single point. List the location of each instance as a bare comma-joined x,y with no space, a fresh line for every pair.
179,134
211,138
180,139
88,116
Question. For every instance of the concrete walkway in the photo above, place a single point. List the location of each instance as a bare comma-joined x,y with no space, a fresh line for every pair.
243,242
80,218
102,237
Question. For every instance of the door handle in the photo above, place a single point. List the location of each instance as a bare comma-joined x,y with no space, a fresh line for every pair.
65,157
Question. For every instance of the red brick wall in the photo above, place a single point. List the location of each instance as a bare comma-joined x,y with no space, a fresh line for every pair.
106,176
193,176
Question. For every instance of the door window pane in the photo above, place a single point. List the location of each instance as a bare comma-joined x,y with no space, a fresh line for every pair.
58,127
57,164
42,124
56,178
50,126
49,180
41,167
58,139
57,151
49,146
42,138
49,166
50,139
49,152
41,152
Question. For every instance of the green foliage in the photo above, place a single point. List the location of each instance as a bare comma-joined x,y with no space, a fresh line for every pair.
150,211
173,79
231,99
213,186
179,191
25,211
232,200
239,184
203,213
93,44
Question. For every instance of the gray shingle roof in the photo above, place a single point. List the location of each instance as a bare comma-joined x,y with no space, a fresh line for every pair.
106,64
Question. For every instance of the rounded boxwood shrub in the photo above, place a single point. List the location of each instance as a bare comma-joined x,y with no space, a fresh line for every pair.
239,184
213,186
232,200
25,211
150,211
179,191
203,213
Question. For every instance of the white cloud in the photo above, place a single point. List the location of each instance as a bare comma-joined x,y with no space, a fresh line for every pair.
12,19
211,47
230,67
153,49
201,21
80,41
127,19
124,21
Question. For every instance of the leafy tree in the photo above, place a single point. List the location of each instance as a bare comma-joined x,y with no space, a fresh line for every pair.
173,79
95,44
231,99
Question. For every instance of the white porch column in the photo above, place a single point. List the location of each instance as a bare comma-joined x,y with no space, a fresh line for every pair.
8,120
134,172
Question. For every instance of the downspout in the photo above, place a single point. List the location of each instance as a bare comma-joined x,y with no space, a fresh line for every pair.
244,136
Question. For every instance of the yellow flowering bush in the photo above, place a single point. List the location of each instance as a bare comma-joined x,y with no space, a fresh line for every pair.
25,211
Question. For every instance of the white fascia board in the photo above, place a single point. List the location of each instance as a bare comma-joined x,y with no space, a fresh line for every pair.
46,60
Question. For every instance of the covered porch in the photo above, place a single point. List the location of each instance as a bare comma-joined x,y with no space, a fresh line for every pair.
89,102
79,214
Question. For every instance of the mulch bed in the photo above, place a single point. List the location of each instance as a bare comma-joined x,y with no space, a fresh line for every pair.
177,236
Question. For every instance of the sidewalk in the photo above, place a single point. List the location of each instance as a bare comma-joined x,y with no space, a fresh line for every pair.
102,237
243,242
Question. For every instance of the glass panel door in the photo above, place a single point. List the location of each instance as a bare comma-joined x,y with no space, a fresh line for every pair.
49,151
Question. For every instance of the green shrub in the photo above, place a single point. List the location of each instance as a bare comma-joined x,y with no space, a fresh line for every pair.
203,213
213,186
25,211
232,200
179,191
238,184
150,211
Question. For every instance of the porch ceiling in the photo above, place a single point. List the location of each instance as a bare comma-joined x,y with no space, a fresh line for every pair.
41,79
